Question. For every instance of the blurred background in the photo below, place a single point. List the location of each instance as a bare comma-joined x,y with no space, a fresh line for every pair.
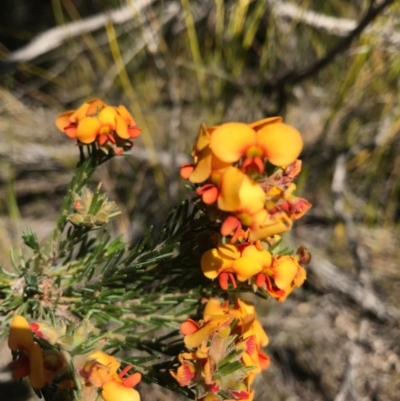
330,68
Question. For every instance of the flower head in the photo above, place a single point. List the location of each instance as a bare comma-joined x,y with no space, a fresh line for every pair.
94,122
100,371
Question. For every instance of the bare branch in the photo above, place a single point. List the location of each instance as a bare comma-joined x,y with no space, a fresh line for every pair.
54,37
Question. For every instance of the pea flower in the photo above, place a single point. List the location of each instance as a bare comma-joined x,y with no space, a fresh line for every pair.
225,262
271,139
30,360
282,276
100,371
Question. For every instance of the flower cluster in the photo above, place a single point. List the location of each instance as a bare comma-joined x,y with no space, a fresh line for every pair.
244,175
224,352
109,128
52,357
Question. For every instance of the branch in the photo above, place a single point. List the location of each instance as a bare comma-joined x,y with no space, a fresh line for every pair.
296,76
54,37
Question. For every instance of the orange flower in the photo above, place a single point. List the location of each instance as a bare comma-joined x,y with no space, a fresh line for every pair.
281,144
282,277
225,263
94,121
101,371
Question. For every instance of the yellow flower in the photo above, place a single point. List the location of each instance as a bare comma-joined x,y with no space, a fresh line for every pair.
30,361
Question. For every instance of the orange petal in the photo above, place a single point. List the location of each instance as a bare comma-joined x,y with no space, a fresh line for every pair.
257,125
20,336
37,374
186,170
70,131
134,132
208,193
88,129
132,380
189,327
230,225
116,391
280,142
230,141
63,120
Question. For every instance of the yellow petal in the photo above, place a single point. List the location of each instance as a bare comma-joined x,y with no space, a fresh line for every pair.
212,323
251,195
278,225
107,116
228,250
87,130
106,360
230,184
285,269
20,336
202,169
211,263
246,268
115,391
214,307
280,142
203,139
261,335
121,127
263,257
230,141
37,374
124,113
257,125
